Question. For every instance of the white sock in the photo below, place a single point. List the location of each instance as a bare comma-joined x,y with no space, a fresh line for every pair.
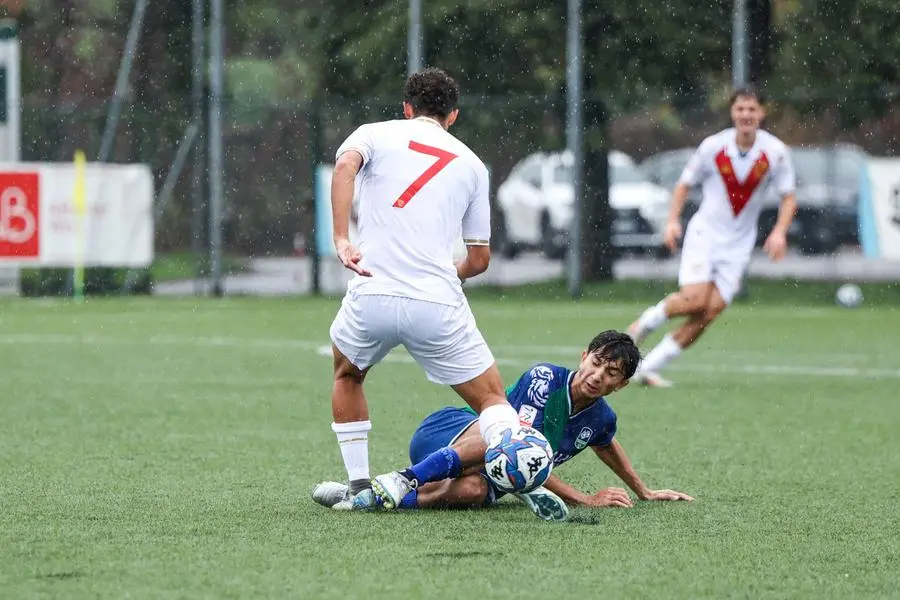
652,318
496,418
353,439
662,353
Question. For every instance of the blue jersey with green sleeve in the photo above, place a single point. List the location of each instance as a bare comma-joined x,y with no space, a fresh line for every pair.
542,398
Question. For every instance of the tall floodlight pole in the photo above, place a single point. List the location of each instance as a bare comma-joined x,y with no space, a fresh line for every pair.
215,146
574,137
739,45
740,67
121,88
414,38
198,29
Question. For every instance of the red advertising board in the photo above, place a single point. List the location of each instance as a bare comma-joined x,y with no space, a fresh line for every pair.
19,215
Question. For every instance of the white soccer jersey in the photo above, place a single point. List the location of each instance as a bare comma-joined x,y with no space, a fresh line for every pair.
734,184
419,189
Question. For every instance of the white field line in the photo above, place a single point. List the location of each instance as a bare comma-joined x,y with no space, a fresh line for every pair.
514,350
728,369
511,355
628,313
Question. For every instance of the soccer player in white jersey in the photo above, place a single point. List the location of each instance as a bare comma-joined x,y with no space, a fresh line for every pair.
735,168
419,189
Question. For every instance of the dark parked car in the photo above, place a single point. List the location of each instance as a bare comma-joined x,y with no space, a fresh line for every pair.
828,181
665,168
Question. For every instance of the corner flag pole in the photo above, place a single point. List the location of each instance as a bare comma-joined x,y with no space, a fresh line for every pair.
80,210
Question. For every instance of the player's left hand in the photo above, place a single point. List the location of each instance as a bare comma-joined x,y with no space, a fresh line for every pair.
349,255
667,496
776,245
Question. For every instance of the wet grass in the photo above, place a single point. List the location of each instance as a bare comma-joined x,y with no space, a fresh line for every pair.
166,448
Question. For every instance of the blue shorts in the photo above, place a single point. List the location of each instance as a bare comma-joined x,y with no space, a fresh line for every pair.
439,430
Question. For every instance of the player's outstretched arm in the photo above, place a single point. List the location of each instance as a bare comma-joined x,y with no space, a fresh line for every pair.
776,244
615,458
612,497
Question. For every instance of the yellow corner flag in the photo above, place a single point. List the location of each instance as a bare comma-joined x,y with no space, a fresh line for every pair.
80,210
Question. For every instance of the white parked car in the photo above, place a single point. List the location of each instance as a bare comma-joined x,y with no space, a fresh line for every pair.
536,202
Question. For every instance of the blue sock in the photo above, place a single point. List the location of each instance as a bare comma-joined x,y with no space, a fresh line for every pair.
410,500
438,465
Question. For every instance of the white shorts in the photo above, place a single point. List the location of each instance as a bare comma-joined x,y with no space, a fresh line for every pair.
443,339
703,261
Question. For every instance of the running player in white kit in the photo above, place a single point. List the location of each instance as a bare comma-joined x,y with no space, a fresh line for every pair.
735,168
419,189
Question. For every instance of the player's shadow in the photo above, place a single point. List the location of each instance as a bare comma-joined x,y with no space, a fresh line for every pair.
458,554
584,518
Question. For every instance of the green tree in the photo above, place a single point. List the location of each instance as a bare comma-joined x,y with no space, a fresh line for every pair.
510,58
841,55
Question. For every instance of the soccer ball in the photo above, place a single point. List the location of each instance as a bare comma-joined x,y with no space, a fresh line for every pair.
849,295
519,459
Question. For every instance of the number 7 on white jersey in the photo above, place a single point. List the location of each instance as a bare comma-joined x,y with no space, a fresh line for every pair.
443,159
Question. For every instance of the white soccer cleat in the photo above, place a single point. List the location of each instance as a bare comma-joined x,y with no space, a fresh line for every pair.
651,379
364,500
390,488
637,333
337,496
545,504
330,493
345,504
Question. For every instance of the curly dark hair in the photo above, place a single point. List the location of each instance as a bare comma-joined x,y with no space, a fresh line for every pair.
747,92
431,93
615,346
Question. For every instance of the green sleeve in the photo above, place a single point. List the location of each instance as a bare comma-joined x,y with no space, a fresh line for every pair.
556,415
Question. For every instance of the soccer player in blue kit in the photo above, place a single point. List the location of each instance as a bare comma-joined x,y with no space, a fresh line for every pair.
567,406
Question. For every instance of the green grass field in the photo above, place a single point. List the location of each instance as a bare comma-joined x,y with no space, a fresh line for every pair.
156,448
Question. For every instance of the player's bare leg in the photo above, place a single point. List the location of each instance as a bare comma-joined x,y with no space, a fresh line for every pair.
351,422
348,401
470,447
465,456
472,491
691,299
694,327
673,344
486,395
469,491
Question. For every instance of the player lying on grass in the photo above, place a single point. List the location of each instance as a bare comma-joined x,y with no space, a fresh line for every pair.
447,452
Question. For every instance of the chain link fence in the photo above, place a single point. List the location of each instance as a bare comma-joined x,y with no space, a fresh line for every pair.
271,155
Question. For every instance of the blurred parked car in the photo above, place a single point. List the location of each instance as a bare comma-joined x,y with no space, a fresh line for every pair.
828,180
827,194
536,204
664,169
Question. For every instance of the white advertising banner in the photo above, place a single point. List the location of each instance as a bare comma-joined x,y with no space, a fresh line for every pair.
879,218
10,115
42,223
11,100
